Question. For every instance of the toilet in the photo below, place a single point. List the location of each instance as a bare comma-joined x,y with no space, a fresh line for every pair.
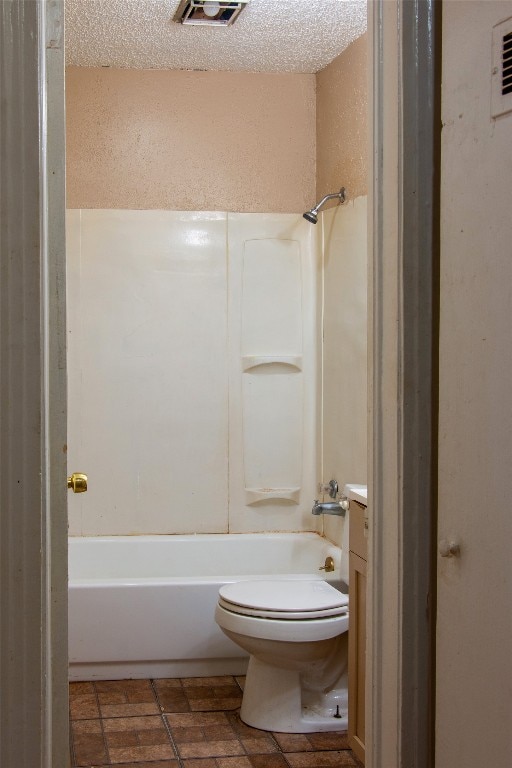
296,634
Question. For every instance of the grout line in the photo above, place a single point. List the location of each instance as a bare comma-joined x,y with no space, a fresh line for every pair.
71,744
101,724
166,724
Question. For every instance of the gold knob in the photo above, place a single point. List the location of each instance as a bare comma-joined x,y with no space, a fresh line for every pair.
328,566
77,482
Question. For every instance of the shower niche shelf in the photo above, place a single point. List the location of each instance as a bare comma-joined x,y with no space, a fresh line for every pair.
293,362
255,495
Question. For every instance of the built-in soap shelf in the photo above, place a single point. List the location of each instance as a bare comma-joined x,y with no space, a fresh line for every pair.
250,362
255,495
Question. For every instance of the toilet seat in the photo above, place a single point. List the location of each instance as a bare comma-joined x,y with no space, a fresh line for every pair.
284,600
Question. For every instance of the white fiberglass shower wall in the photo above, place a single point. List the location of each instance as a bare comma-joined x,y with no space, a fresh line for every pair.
193,371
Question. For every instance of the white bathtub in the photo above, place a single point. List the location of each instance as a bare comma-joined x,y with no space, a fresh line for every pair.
143,606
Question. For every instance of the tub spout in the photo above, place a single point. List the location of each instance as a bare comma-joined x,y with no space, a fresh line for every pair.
330,507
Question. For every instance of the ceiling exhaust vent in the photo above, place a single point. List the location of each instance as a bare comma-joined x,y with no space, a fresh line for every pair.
211,12
501,101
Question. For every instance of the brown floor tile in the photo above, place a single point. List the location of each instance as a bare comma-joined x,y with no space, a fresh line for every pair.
241,681
79,689
268,761
227,690
152,764
192,682
196,719
112,698
233,762
214,704
259,746
242,729
143,738
209,762
141,753
129,687
328,740
293,742
170,695
125,692
332,759
173,700
137,739
149,737
122,739
83,707
132,723
199,692
167,682
208,733
211,749
219,733
185,735
212,691
86,726
89,749
129,710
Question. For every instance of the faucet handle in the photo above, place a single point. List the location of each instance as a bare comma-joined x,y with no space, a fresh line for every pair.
331,488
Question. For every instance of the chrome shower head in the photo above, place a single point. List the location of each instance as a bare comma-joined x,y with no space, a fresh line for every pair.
312,215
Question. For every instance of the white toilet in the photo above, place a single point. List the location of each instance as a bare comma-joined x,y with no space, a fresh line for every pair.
296,635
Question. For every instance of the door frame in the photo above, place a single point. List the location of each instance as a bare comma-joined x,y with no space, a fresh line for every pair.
33,521
404,97
402,394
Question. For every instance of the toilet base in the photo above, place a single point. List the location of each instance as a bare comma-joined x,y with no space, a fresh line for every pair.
275,700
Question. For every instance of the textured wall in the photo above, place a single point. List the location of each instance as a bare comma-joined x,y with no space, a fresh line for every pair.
341,123
179,140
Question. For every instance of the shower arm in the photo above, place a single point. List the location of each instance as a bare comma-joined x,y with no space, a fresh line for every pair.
340,195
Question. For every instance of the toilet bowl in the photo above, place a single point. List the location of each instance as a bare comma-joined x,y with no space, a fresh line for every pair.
296,635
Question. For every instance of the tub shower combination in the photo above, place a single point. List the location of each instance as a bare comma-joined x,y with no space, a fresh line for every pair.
144,606
226,393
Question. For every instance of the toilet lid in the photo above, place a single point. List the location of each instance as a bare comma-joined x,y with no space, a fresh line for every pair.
284,599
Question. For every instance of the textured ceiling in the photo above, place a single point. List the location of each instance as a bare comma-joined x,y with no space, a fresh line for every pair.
269,36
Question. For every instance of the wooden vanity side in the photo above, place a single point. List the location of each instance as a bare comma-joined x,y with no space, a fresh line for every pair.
357,631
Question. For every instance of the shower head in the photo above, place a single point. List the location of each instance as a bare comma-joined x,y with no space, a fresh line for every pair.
312,215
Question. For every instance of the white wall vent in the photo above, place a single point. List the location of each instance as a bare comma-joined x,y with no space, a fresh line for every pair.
214,13
501,100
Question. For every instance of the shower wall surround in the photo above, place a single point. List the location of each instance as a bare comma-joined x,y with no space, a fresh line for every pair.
192,371
345,422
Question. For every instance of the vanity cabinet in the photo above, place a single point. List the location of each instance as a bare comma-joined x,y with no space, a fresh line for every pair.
357,632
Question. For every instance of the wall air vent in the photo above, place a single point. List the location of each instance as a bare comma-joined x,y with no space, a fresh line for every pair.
501,101
214,13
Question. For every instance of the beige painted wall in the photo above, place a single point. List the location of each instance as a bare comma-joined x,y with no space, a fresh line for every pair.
342,160
149,139
341,123
474,621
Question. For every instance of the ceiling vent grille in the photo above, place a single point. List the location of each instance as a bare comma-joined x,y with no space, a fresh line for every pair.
501,100
209,12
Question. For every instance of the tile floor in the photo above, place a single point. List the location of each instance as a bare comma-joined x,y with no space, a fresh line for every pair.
185,723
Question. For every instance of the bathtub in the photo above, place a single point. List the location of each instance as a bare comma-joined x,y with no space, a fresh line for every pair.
143,606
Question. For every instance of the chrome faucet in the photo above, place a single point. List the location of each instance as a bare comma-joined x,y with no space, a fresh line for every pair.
330,507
